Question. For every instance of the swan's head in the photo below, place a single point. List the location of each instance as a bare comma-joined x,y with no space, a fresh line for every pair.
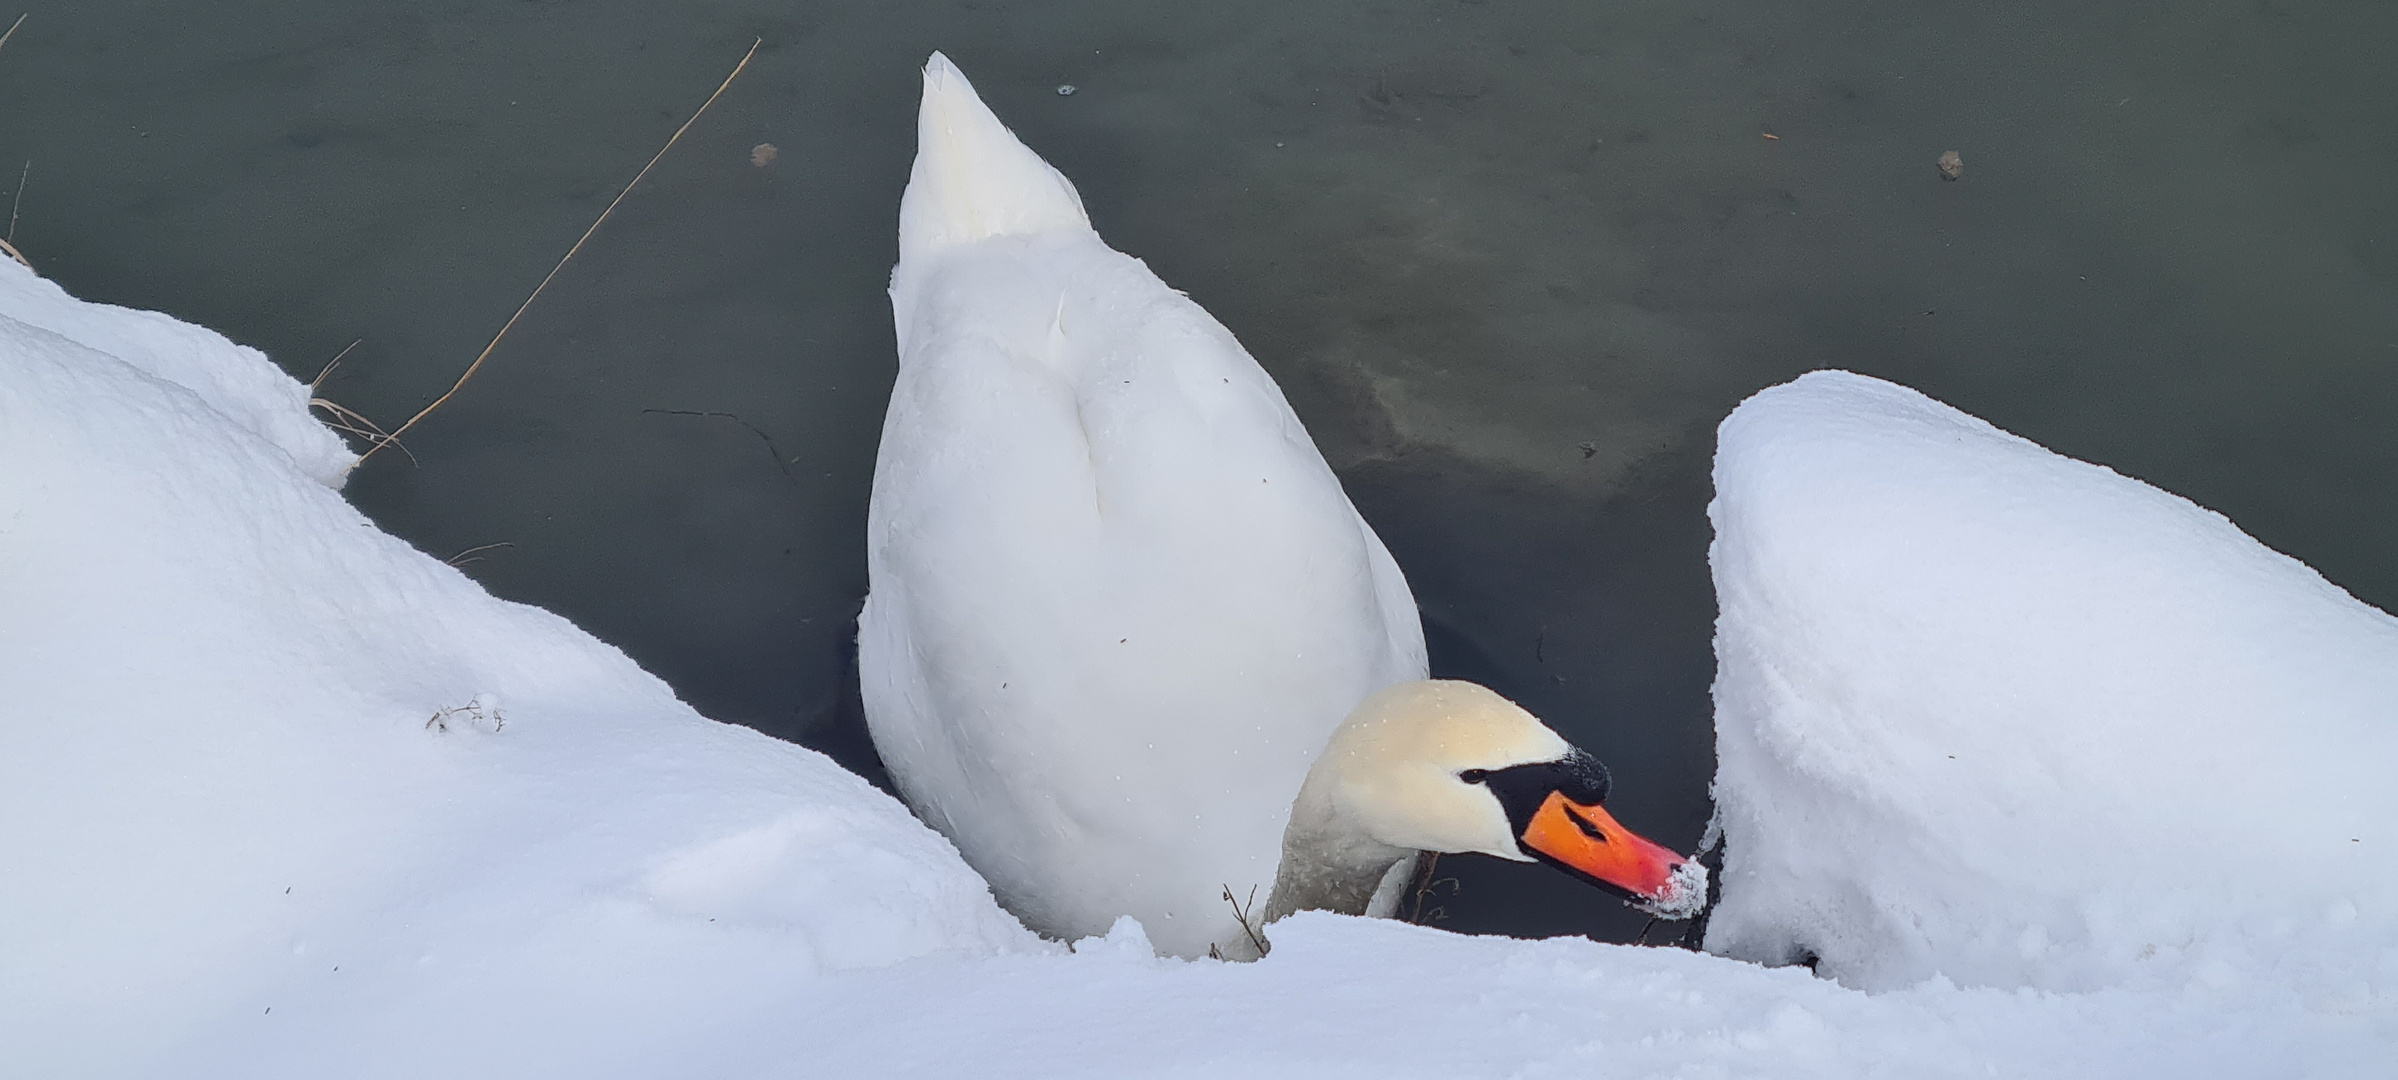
1453,767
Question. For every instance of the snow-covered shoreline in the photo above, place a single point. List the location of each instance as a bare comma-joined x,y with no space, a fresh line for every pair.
235,846
222,783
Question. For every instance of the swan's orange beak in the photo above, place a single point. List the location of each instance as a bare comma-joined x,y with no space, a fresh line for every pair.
1587,841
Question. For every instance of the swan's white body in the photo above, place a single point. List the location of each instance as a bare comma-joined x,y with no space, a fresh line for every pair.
1118,601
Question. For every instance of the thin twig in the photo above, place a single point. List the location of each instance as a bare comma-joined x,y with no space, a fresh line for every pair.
771,451
570,252
346,418
18,203
1238,912
12,30
460,559
349,419
1427,864
1426,885
352,421
9,244
330,365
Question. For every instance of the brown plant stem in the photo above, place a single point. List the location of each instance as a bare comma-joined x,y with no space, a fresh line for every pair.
570,254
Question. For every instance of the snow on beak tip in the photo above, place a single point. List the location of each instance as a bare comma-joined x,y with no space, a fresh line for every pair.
1587,841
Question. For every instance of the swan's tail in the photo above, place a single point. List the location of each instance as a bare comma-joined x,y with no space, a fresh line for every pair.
973,179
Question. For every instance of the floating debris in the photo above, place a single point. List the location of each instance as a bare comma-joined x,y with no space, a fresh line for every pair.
763,154
1952,167
1065,90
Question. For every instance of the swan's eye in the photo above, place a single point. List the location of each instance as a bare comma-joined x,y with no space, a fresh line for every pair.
1474,776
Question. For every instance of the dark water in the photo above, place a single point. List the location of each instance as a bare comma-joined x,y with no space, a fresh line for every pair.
1512,261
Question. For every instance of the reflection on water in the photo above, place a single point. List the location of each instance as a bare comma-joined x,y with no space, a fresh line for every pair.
1511,262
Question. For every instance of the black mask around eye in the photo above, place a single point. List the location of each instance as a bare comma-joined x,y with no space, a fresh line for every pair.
1522,788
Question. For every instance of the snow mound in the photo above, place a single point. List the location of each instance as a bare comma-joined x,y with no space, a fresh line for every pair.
1995,714
270,770
1371,999
237,381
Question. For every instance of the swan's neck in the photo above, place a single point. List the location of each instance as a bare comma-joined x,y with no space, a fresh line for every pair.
1329,862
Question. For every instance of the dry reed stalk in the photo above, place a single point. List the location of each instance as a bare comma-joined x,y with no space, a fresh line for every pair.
18,203
318,383
350,420
470,555
9,245
570,254
347,419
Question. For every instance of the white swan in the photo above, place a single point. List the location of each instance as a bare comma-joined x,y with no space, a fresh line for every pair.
1118,603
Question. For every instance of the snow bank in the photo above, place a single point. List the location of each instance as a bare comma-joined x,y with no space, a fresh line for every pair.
1996,714
224,789
235,381
283,797
1371,999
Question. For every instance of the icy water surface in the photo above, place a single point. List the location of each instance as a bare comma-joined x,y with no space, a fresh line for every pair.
1511,261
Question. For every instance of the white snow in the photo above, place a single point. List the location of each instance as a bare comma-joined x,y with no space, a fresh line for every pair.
236,841
1995,714
223,779
234,380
